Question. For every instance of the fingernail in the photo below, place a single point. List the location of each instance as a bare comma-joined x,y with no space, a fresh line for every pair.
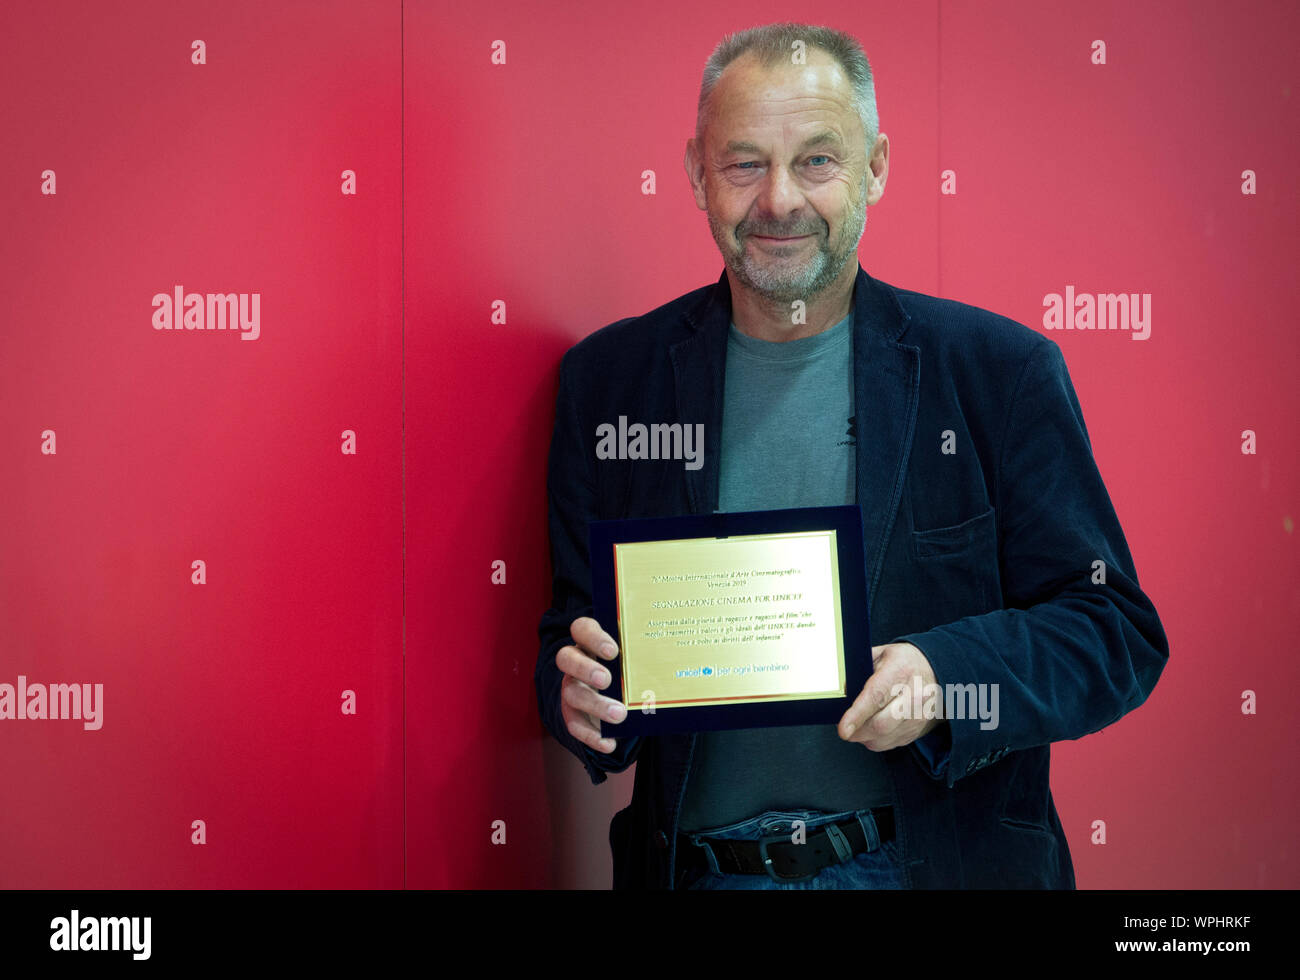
609,650
616,712
849,729
599,677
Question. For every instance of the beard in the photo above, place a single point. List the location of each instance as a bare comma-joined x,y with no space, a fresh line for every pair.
774,273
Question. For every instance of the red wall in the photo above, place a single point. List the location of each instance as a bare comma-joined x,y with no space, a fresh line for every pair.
371,571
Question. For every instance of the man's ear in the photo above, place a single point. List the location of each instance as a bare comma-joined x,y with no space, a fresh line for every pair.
879,166
694,164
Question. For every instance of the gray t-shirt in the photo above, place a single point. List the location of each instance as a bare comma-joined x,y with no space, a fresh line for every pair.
788,440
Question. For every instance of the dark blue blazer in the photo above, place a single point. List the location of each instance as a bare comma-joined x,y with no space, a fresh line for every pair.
985,558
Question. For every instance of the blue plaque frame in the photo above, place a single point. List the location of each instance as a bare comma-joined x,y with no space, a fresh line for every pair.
845,520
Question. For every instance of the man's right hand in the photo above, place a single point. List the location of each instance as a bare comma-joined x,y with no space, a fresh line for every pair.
580,706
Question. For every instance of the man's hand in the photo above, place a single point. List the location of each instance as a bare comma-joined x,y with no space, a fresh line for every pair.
580,705
871,720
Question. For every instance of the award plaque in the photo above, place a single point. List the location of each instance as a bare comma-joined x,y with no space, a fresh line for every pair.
733,620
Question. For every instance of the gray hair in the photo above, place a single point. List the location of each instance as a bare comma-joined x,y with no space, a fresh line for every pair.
773,43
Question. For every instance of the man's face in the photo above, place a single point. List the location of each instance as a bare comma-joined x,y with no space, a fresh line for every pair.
783,174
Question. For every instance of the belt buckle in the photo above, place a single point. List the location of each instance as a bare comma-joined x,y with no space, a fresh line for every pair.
767,861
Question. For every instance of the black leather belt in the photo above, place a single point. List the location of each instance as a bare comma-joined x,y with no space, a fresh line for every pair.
780,858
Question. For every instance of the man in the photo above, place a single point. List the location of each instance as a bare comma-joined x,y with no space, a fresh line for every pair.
959,435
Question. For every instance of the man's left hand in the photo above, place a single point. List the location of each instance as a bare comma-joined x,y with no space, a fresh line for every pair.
871,720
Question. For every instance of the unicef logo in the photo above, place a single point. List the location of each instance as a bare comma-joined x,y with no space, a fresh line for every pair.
706,671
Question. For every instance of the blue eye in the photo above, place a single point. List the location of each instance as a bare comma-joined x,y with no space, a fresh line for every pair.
820,156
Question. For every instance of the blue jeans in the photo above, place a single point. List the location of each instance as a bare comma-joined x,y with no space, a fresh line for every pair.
877,867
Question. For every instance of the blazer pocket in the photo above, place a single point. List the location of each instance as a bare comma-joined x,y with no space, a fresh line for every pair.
1025,791
945,541
957,567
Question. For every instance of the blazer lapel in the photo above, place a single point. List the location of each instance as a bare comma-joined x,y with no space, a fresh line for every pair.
699,365
886,389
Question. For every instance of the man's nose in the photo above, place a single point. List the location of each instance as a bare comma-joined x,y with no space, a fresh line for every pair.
780,193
